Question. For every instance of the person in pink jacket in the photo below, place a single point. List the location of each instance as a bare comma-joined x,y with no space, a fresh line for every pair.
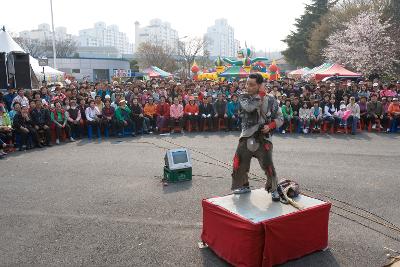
176,114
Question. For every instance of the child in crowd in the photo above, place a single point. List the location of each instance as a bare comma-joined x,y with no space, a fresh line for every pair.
342,110
305,116
316,115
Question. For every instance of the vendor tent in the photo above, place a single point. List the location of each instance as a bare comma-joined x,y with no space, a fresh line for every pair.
154,72
7,44
335,70
234,71
298,74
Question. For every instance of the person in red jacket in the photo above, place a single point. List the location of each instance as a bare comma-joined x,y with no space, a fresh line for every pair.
191,113
162,111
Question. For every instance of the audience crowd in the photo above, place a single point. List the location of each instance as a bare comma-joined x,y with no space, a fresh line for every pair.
30,118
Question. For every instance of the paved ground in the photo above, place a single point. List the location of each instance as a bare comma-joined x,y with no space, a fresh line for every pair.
103,204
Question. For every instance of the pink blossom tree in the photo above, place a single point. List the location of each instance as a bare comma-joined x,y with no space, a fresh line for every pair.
364,44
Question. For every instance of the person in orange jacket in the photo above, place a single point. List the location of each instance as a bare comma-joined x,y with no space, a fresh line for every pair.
191,113
394,113
150,112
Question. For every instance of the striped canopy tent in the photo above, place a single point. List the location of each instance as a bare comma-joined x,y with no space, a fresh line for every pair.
310,74
333,70
234,72
297,74
154,72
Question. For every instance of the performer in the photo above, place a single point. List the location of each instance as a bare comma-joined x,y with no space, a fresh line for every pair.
260,116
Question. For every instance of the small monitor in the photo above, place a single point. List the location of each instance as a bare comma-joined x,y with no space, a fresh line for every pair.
178,158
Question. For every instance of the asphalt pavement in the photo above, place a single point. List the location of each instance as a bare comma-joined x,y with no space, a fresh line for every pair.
103,203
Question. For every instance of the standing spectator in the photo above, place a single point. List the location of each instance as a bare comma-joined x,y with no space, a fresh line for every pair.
220,111
233,108
354,115
176,115
296,105
287,113
5,125
93,119
123,118
74,119
25,128
206,113
305,117
42,121
394,113
162,113
21,98
374,112
150,112
59,117
9,97
191,113
316,115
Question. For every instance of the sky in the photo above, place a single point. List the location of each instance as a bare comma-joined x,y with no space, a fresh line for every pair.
260,23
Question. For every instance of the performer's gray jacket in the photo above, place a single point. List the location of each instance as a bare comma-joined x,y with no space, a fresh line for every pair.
258,111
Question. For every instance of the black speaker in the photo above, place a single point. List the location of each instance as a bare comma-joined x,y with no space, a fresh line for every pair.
3,71
19,70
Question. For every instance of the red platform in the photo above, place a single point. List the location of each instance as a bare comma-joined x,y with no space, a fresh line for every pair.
250,230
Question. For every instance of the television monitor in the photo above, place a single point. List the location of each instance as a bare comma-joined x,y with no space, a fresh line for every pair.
178,158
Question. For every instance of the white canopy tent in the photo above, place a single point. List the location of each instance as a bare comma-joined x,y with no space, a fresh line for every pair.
7,44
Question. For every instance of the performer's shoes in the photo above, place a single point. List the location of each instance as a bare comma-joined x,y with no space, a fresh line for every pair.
275,196
242,190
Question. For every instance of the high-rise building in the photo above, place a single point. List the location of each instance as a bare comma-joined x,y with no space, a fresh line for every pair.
105,36
221,39
43,33
158,33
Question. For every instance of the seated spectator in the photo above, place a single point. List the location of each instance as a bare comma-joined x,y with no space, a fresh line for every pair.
93,119
363,110
207,113
59,96
42,121
14,111
123,118
115,104
23,125
287,113
162,113
355,114
316,115
21,98
330,113
374,112
99,102
305,117
385,117
220,107
5,125
233,108
191,113
108,116
3,145
138,117
394,113
150,112
74,119
176,114
59,117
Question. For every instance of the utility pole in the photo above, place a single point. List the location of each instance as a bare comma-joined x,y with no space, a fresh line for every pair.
54,35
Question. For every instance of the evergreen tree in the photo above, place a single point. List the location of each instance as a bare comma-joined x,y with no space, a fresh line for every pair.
297,40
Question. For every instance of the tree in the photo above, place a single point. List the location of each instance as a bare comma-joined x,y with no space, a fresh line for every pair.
297,40
64,48
156,55
364,44
133,65
33,47
189,50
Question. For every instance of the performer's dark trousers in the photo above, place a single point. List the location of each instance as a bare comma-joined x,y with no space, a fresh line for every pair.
241,164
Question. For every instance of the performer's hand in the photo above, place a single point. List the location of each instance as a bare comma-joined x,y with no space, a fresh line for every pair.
266,129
